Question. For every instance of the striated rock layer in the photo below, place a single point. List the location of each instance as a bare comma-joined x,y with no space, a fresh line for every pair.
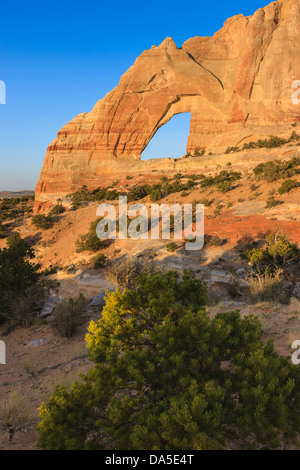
237,85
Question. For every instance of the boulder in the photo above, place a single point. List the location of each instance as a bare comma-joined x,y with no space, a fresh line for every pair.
220,276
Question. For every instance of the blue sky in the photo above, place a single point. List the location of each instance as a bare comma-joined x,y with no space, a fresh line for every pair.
58,58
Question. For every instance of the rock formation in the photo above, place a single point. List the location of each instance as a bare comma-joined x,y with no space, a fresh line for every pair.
237,85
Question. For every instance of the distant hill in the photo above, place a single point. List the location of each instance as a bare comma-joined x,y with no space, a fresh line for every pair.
16,194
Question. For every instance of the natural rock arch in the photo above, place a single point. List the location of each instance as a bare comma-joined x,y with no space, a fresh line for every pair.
236,85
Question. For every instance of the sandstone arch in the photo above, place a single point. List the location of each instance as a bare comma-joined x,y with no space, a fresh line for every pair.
235,84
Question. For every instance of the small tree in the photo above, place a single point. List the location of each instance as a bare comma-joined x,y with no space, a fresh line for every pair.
17,273
287,186
58,209
168,377
99,261
41,221
89,241
155,195
22,290
171,247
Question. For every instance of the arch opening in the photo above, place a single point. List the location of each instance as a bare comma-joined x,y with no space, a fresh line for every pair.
170,141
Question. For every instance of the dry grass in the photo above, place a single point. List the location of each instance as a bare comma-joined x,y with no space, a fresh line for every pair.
295,307
265,286
14,415
126,272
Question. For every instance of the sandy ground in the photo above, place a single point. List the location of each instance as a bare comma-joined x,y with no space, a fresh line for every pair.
242,217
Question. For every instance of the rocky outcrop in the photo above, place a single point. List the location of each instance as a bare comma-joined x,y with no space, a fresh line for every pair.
237,85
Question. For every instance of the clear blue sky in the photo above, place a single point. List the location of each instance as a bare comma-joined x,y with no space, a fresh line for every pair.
58,58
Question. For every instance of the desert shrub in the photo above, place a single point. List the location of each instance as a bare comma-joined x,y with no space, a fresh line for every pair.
139,192
125,273
287,186
69,315
198,152
14,239
169,377
52,269
164,179
171,247
223,181
213,240
14,415
231,150
271,142
4,206
79,197
14,208
218,209
99,261
89,241
224,186
274,170
2,231
135,193
207,182
272,202
58,209
206,202
24,308
104,194
84,195
255,255
279,251
41,221
155,195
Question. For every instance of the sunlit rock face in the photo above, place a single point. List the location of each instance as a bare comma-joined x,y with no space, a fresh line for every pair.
237,85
